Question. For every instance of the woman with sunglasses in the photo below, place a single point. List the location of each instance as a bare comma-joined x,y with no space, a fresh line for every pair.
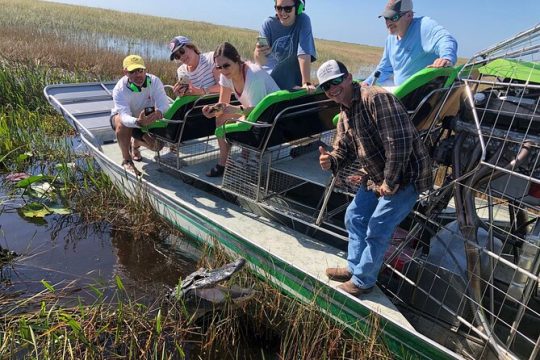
196,73
289,48
413,43
249,84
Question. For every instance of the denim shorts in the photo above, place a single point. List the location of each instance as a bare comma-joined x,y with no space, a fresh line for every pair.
136,133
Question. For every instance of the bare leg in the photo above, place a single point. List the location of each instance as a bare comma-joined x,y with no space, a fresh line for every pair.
123,135
148,142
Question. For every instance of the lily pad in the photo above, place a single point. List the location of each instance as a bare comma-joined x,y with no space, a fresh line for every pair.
24,156
60,210
35,210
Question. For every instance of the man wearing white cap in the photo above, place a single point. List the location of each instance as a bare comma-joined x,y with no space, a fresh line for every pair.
413,43
139,100
374,129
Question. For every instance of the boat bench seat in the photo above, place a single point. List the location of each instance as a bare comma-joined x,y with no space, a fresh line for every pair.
282,117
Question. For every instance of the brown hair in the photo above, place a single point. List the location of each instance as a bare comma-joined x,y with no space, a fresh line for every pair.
194,48
229,51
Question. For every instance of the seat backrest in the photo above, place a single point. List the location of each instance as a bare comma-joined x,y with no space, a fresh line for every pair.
195,124
293,115
421,84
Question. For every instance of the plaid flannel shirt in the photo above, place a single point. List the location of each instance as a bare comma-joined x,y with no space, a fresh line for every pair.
378,132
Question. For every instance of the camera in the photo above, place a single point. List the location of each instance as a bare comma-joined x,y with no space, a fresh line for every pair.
148,110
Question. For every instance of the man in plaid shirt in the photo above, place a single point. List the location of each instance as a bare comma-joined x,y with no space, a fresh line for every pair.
375,129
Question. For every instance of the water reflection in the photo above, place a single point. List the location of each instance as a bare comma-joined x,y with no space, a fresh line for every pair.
68,251
149,50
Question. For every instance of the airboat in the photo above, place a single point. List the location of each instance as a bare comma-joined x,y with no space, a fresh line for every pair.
461,277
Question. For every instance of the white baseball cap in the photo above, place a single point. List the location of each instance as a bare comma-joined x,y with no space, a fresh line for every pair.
330,70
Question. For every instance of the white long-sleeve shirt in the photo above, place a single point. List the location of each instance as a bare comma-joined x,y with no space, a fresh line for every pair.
129,103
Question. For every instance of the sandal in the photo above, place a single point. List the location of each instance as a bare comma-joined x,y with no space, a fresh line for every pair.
130,167
216,171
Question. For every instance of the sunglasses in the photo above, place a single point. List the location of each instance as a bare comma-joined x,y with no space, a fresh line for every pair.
327,85
396,17
224,66
136,71
178,53
287,9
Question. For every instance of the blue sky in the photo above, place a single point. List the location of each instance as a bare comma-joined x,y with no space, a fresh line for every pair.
476,24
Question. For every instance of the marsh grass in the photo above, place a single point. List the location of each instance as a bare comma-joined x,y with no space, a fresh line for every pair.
292,329
71,40
115,327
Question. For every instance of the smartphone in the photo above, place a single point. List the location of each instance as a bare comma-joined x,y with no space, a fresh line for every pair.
262,41
148,110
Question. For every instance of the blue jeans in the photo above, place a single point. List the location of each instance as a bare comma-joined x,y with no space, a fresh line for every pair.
371,221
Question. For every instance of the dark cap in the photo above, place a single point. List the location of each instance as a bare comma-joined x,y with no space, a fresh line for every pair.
177,43
394,7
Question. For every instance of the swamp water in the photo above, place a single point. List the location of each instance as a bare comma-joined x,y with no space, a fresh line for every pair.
73,257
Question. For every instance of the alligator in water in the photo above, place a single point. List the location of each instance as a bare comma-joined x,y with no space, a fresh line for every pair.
202,290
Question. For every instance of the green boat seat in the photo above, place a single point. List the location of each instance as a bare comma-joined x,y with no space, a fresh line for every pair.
281,117
418,86
190,122
413,93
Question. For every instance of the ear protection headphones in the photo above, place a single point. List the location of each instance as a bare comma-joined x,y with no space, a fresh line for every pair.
300,6
136,88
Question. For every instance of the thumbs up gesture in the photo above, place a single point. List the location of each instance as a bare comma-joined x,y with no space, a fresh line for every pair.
324,158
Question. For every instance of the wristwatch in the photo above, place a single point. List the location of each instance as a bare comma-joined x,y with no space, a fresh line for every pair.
307,83
138,123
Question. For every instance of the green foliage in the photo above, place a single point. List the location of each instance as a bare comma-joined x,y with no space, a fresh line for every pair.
48,286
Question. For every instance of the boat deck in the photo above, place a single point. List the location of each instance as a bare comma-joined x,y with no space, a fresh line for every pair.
304,253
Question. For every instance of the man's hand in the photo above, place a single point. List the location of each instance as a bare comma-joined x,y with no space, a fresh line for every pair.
440,62
324,158
310,88
384,189
145,120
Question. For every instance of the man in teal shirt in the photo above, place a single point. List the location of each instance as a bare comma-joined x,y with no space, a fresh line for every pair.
413,43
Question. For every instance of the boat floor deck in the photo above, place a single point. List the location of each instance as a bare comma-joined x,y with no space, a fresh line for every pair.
303,252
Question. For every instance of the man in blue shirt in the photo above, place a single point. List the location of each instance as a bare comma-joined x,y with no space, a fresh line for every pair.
413,43
288,49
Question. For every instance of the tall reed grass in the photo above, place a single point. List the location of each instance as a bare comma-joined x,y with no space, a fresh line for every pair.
70,40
